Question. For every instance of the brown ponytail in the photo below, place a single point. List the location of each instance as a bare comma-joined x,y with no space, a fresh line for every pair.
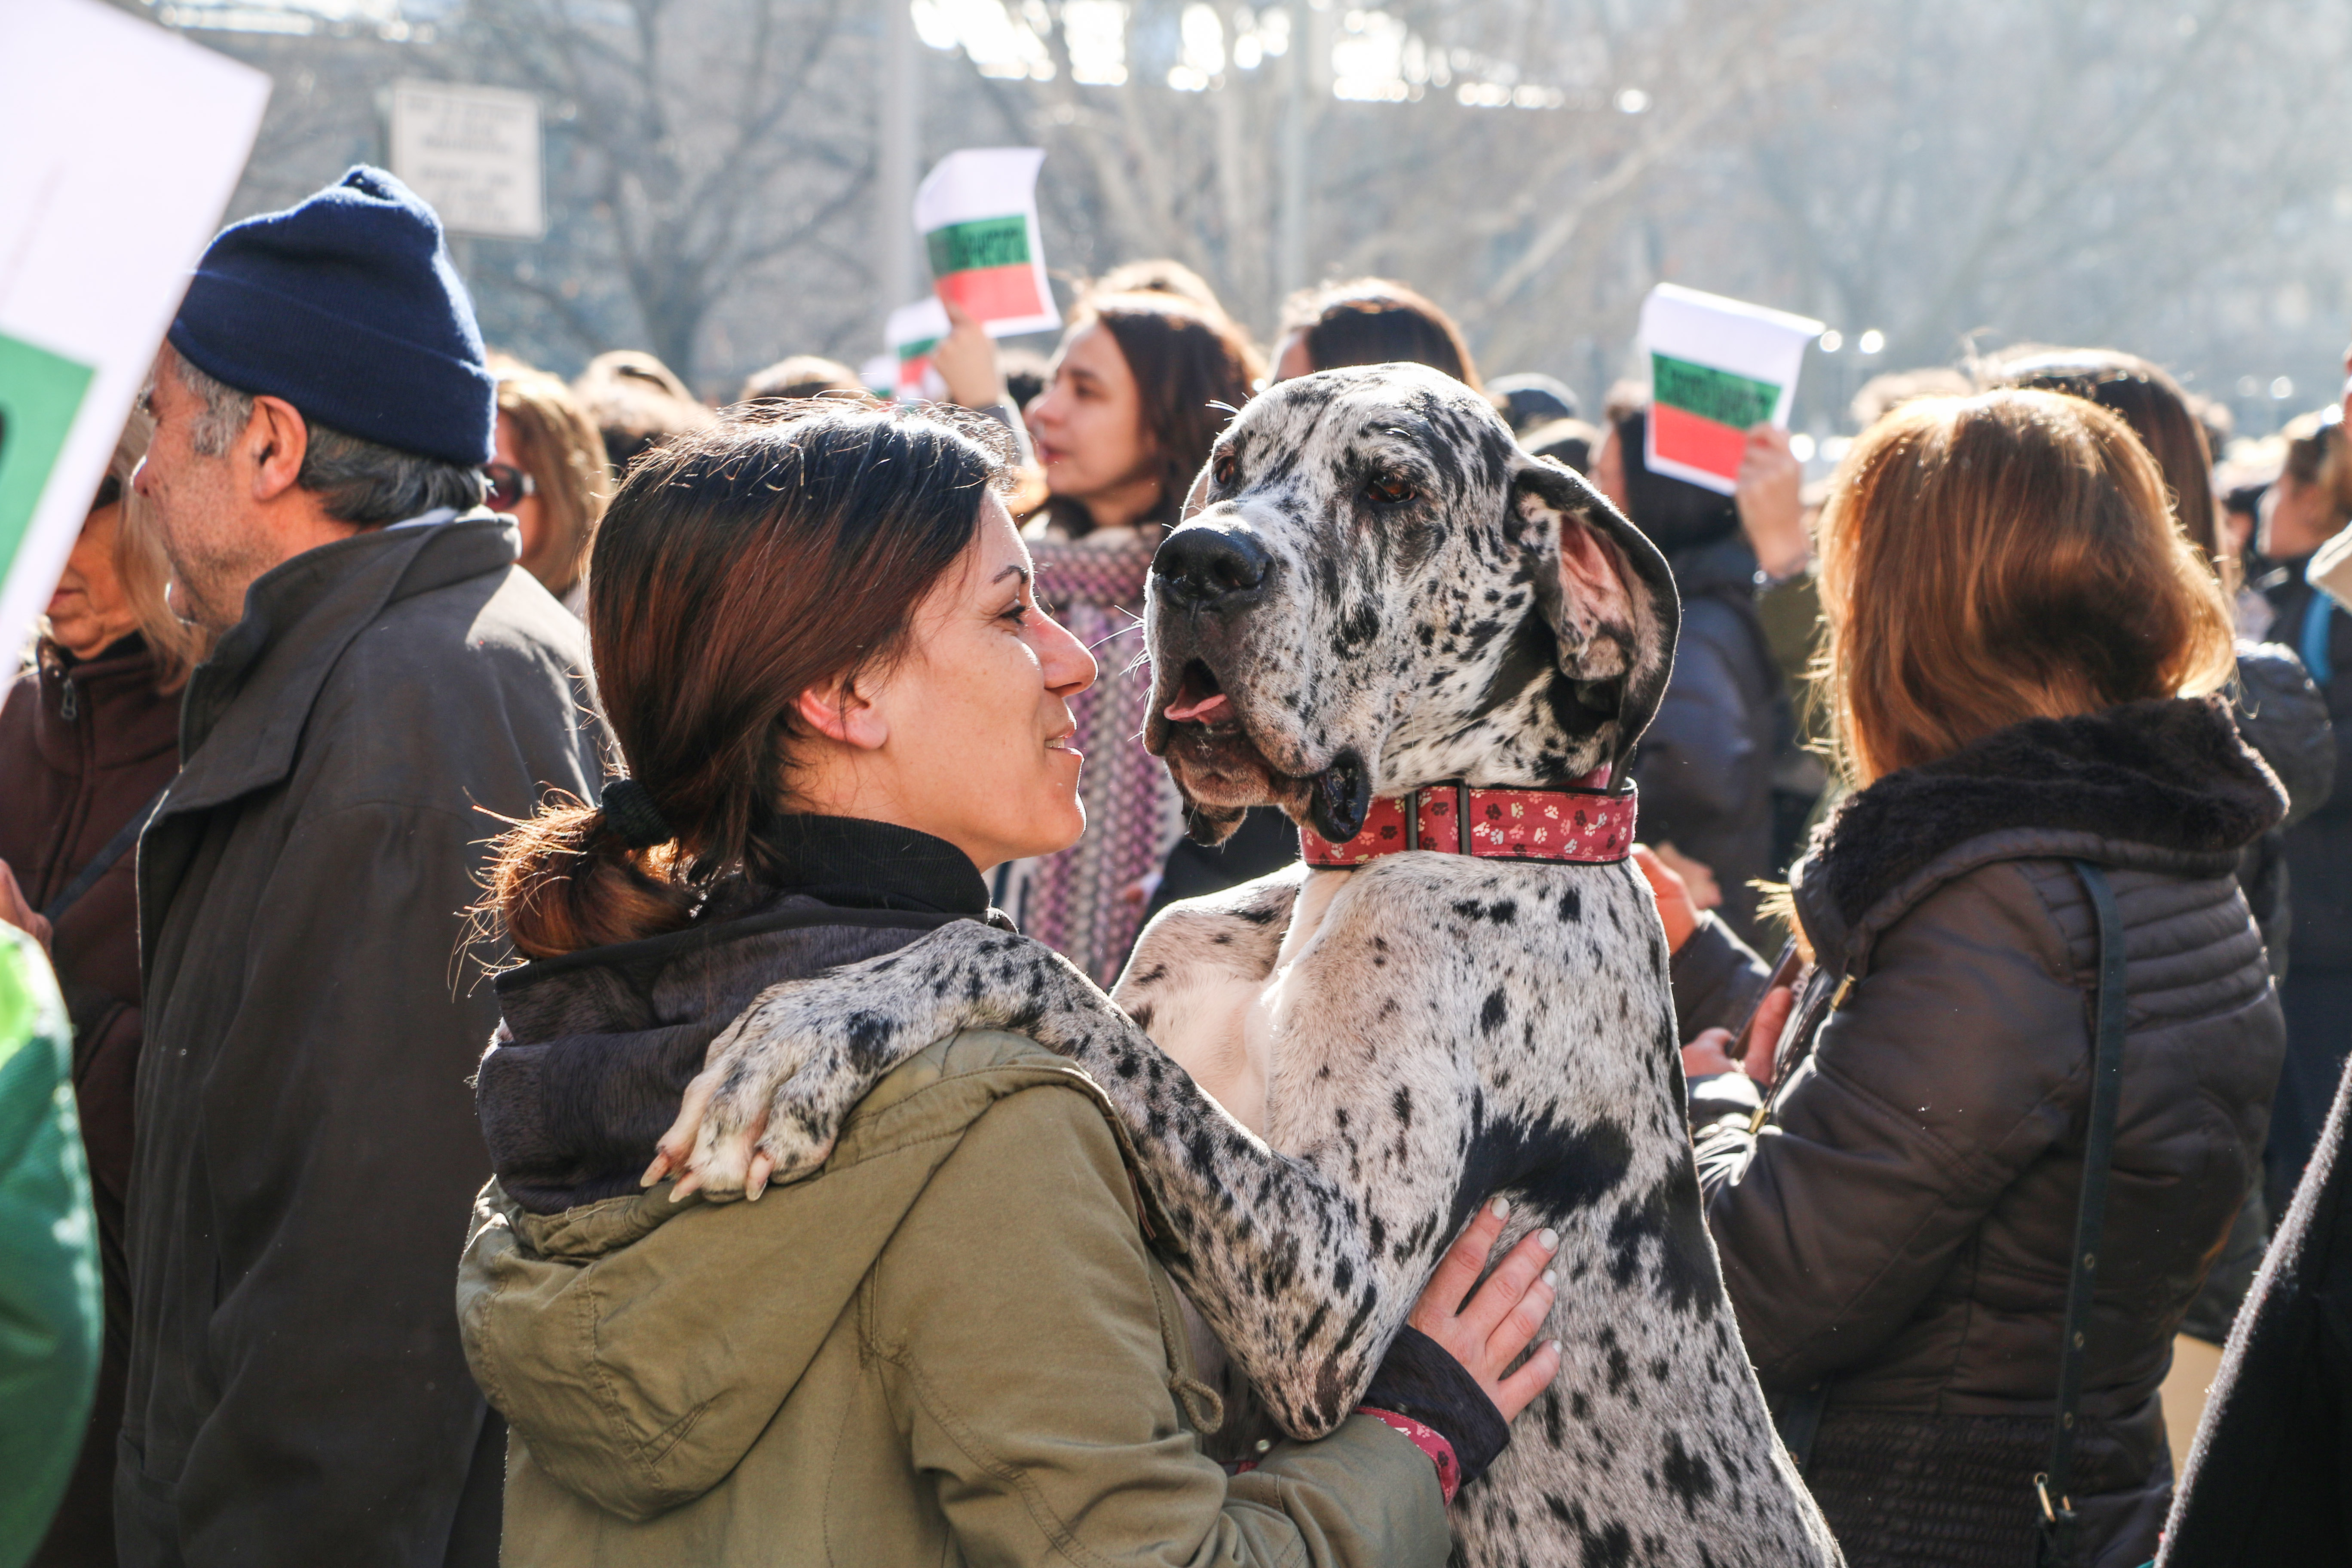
738,567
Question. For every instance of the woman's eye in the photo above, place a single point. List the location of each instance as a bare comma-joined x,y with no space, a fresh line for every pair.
1018,614
1391,490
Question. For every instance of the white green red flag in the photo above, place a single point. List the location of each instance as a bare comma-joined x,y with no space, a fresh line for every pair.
914,330
977,211
1717,366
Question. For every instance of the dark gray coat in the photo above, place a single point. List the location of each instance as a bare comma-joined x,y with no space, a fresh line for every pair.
1705,766
1901,1230
306,1153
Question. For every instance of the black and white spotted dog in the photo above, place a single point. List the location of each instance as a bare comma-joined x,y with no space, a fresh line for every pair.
1325,1071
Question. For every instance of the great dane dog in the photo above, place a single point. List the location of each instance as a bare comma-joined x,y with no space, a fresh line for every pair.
1381,610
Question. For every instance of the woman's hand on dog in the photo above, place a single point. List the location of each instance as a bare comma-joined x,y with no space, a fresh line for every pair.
1490,1330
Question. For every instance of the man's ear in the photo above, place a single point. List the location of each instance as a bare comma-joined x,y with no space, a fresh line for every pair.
1608,597
841,713
276,440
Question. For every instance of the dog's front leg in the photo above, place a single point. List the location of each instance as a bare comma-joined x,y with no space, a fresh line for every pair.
1292,1275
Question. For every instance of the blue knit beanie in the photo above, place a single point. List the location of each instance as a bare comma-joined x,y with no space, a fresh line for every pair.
346,305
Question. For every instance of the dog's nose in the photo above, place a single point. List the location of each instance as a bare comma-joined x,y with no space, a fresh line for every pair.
1202,567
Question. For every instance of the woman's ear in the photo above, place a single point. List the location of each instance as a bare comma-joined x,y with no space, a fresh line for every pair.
841,713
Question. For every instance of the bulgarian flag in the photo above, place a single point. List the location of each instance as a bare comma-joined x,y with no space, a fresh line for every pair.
1717,366
977,213
914,330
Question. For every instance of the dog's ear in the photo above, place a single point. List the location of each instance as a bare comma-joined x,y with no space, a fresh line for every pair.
1609,596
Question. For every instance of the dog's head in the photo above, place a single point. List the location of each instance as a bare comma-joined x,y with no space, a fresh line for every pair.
1378,590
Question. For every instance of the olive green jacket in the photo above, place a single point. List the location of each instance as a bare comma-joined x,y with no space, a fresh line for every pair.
950,1346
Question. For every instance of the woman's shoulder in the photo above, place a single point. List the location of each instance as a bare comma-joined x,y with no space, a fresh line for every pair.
943,1089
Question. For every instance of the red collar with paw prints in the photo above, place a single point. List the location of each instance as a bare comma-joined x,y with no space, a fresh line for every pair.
1583,823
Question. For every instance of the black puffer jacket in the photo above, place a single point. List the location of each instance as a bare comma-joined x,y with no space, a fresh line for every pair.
2284,717
1899,1235
1705,766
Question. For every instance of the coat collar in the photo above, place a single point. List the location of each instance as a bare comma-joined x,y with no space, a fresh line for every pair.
247,705
2164,786
117,717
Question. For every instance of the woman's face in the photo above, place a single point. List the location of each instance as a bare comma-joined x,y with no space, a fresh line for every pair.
90,609
526,513
1088,423
976,716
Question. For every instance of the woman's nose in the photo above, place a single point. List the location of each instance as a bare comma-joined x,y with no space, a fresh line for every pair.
1070,668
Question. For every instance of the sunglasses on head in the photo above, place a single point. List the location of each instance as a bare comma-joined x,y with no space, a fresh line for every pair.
508,485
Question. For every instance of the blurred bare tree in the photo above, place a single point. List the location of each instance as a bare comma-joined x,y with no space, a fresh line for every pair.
701,145
2166,177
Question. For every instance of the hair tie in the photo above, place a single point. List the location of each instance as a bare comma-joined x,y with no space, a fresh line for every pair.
630,808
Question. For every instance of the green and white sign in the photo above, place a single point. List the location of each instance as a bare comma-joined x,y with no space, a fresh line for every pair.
124,144
977,211
1719,367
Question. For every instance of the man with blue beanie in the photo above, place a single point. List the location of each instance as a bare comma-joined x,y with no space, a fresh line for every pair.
387,684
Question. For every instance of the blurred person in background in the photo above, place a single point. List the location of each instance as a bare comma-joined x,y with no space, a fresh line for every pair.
802,375
89,737
1142,386
2310,500
1027,373
1705,766
1569,441
2024,659
1369,320
1162,276
2281,714
1531,399
549,475
637,402
384,681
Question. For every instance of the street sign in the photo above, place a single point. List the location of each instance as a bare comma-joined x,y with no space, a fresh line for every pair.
473,153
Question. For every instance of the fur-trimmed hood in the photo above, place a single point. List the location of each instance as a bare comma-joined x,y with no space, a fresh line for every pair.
2166,784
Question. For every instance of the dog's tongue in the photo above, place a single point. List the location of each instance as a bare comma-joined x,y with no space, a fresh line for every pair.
1179,711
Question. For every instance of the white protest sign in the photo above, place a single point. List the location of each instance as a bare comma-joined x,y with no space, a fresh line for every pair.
977,211
1716,367
124,142
472,152
914,330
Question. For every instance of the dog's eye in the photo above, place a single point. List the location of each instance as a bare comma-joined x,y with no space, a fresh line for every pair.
1228,470
1391,490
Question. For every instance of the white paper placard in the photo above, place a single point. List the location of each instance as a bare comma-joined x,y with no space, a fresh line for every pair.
1717,366
977,211
472,152
124,142
913,331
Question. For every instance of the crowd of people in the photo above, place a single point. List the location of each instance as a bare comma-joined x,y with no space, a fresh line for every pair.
366,619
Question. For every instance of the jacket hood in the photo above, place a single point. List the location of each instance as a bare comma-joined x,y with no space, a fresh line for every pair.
596,1047
640,1348
2166,784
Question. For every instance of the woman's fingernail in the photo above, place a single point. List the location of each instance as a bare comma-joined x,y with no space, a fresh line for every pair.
1550,1277
1502,1208
1549,1241
1555,1346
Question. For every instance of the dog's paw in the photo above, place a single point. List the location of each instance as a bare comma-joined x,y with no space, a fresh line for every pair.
775,1087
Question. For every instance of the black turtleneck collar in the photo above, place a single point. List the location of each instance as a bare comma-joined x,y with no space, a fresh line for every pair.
856,864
